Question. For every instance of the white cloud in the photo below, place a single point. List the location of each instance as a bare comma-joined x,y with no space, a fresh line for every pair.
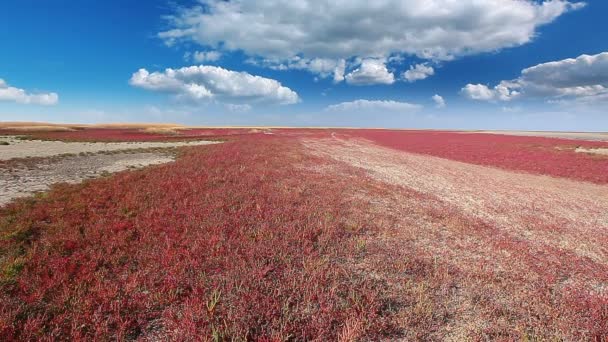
374,106
343,30
370,71
479,92
582,79
504,91
206,56
439,101
418,72
323,67
8,93
573,77
203,83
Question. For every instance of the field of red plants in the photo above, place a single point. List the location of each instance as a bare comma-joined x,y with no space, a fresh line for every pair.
317,235
538,155
118,134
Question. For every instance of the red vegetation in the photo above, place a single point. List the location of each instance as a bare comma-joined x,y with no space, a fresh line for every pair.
234,241
121,134
257,239
538,155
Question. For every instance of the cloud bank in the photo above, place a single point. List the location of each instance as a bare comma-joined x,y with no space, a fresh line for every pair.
583,79
372,106
360,29
204,83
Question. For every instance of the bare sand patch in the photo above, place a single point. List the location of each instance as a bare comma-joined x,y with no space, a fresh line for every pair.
39,148
602,151
22,181
34,165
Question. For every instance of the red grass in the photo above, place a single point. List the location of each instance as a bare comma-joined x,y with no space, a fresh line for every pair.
537,155
233,241
121,134
99,134
255,239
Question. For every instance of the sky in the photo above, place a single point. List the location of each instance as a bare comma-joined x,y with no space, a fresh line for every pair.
467,64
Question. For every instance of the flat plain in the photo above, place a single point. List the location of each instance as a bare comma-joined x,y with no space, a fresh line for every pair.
276,234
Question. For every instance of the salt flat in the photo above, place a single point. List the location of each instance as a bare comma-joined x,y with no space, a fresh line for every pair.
40,148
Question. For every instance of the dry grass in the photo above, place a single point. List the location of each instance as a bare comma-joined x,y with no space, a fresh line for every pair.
163,130
43,126
142,126
36,128
473,252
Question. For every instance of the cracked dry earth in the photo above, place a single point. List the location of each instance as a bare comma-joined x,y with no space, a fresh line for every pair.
506,253
31,166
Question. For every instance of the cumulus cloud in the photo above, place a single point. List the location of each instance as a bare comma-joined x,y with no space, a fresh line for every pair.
374,106
583,79
204,56
346,30
323,67
439,101
418,72
371,71
203,83
504,91
12,94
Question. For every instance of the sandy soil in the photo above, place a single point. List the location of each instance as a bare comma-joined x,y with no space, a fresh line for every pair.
38,148
26,180
601,151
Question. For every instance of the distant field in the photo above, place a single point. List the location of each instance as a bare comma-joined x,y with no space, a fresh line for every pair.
312,234
565,135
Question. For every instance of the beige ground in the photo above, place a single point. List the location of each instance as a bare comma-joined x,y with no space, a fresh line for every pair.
601,151
39,148
24,180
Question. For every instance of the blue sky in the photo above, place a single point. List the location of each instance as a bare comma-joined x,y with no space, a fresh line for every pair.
308,63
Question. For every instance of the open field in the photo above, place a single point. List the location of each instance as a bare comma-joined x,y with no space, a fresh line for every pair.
309,234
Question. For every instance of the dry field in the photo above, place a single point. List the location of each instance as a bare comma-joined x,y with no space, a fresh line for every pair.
306,234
